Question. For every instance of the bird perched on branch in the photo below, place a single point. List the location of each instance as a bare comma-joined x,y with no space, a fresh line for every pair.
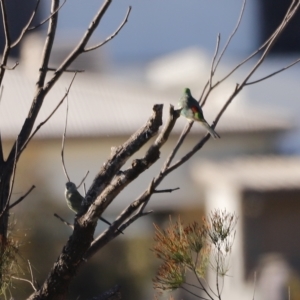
74,200
190,108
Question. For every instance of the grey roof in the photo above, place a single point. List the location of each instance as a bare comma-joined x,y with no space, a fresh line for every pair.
253,172
101,105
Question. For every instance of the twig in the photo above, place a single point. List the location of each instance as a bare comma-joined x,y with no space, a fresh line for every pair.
181,139
48,45
84,189
274,73
213,65
47,19
194,286
212,69
65,71
26,27
290,13
64,221
10,68
202,285
63,143
21,198
277,32
196,295
134,218
165,191
1,92
83,179
217,274
51,114
26,280
231,35
111,36
30,269
7,46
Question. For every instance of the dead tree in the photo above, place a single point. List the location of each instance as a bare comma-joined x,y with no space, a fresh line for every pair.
109,181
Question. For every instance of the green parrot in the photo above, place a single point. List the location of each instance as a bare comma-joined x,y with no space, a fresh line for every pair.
190,108
74,200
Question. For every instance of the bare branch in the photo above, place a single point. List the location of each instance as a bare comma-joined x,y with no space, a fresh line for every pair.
272,42
11,68
21,198
63,143
137,167
122,153
48,45
24,135
112,36
213,65
231,35
83,179
49,117
212,69
108,235
79,49
136,216
42,90
7,46
32,281
65,71
274,73
26,280
84,189
165,191
181,139
290,13
64,221
47,19
25,28
1,92
31,273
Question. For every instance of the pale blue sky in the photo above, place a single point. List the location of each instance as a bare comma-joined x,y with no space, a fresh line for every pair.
156,27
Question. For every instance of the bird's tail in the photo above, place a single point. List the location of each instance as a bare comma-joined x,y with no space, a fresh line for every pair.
210,130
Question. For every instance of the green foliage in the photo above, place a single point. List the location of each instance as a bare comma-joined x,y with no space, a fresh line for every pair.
192,248
8,264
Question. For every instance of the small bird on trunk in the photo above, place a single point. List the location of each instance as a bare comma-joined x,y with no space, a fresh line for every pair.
74,200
